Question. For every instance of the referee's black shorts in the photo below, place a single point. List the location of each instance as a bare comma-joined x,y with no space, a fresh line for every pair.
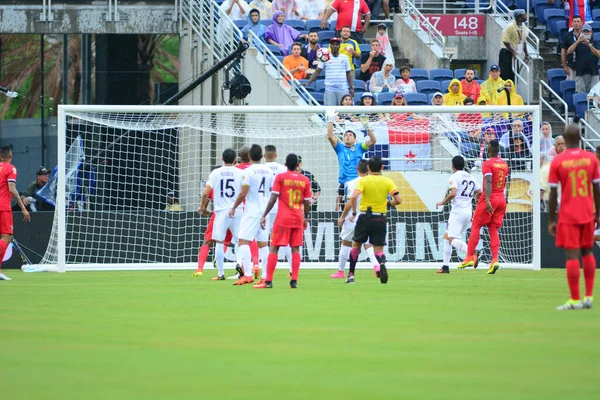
371,228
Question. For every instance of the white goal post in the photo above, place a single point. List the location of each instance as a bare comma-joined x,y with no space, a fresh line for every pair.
116,165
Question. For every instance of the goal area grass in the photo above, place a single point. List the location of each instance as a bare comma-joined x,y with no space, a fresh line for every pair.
167,335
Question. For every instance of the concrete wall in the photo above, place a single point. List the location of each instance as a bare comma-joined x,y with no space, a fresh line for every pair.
413,46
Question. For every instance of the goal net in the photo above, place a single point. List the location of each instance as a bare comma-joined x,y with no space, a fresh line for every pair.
129,179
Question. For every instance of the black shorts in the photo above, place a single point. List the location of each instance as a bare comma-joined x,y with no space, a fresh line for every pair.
372,229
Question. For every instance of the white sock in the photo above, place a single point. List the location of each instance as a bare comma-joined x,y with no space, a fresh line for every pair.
220,256
263,257
371,253
343,257
447,252
246,259
459,245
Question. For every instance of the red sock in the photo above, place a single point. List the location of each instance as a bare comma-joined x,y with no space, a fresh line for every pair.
3,246
573,278
254,252
473,240
271,264
202,256
589,271
494,241
295,266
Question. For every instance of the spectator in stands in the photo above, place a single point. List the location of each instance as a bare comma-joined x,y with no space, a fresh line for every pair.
471,145
295,63
264,7
309,51
338,78
350,14
384,40
254,25
517,129
384,81
289,8
559,147
314,185
348,47
172,203
376,5
546,139
312,9
509,96
465,119
490,87
281,34
397,118
372,61
586,52
367,99
454,97
405,84
514,42
29,197
568,60
437,99
470,87
347,101
483,101
520,155
236,9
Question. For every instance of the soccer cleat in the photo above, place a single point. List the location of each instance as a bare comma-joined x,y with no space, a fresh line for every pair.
260,282
219,278
235,276
239,269
338,275
467,262
293,284
350,279
198,273
256,271
4,277
244,280
587,301
476,264
215,263
494,265
571,305
263,285
444,270
383,274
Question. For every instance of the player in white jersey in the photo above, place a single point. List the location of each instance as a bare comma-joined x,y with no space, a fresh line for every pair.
462,189
348,222
256,190
227,183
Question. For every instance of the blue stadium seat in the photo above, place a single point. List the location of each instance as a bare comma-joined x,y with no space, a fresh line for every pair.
555,76
552,14
460,73
522,4
561,27
318,97
359,86
364,47
416,99
276,50
567,90
266,22
357,97
297,24
325,36
313,25
396,73
581,104
309,88
595,26
332,25
440,74
319,85
385,99
419,74
444,85
480,81
429,98
538,10
428,86
240,23
596,14
280,58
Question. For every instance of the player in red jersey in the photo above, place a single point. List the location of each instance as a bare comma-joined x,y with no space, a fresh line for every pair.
490,209
8,188
294,194
577,173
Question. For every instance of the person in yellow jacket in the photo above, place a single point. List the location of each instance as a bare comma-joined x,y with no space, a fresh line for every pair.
515,99
454,97
490,86
483,100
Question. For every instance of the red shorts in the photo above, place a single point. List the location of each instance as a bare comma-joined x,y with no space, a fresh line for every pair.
484,218
575,236
209,229
284,236
6,223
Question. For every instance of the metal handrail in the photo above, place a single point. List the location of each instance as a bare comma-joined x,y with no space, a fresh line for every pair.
518,66
444,6
543,102
422,23
588,128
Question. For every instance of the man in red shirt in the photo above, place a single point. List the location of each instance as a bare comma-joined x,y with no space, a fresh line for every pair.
470,87
350,13
294,194
8,189
490,209
577,172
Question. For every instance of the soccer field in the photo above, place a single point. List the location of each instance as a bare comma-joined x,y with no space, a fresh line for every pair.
166,335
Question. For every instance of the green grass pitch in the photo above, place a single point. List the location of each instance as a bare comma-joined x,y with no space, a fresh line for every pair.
166,335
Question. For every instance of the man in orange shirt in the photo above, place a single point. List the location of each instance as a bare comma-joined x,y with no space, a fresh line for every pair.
470,87
295,63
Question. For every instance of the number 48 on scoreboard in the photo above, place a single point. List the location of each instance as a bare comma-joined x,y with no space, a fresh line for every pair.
458,24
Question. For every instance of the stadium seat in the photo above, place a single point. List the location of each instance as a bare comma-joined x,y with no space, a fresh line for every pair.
440,74
276,50
297,24
595,26
364,47
385,99
266,22
581,104
332,25
483,4
318,97
540,6
325,37
596,14
562,27
313,25
596,36
444,86
240,23
416,99
522,4
419,74
567,90
555,76
319,85
480,81
359,85
552,15
357,97
428,86
309,88
396,72
460,73
280,58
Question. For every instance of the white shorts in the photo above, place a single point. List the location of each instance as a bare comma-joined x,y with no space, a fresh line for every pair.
347,232
250,229
457,224
224,222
